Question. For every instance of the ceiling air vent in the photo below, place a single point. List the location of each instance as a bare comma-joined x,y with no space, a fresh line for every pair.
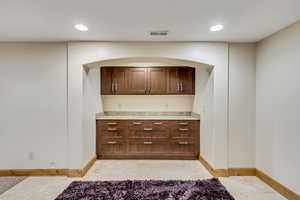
159,33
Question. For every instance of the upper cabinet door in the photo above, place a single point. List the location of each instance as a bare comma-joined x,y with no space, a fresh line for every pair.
136,80
173,80
106,80
157,80
153,80
187,80
119,80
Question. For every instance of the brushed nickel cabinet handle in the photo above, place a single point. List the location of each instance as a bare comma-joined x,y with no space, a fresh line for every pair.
112,123
183,123
183,129
181,87
112,142
148,129
183,143
148,143
112,87
112,129
178,87
136,123
157,123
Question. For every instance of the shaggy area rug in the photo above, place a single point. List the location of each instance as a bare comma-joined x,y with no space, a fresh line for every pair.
210,189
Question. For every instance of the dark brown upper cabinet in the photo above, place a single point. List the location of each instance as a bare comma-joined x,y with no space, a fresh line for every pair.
136,80
181,80
173,80
157,80
150,80
187,80
106,80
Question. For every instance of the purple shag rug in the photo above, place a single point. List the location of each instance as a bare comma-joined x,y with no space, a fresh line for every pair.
210,189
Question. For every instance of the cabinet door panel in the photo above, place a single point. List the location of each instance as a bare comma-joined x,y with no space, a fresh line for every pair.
157,80
136,80
119,80
173,80
106,80
187,80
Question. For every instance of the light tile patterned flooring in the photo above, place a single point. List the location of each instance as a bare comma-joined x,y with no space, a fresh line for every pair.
47,188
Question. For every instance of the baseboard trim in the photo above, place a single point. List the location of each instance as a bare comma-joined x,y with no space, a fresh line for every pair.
83,171
212,171
33,172
242,172
283,190
50,172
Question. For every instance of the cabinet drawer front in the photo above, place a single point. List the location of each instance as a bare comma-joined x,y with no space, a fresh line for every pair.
148,133
112,134
137,123
184,124
147,146
105,124
179,135
112,147
183,146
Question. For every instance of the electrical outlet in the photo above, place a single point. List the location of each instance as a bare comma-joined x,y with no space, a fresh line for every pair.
120,106
52,165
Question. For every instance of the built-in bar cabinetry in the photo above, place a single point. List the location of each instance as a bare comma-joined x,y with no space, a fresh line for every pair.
147,80
148,139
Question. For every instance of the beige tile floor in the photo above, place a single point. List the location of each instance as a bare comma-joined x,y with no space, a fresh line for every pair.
47,188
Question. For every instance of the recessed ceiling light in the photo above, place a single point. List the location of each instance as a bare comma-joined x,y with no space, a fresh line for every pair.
81,27
217,27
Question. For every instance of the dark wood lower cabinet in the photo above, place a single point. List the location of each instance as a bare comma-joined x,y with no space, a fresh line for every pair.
148,139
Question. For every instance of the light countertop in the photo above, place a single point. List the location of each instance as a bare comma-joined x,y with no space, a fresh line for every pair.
132,117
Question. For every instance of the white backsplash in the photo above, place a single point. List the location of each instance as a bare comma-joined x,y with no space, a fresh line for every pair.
148,103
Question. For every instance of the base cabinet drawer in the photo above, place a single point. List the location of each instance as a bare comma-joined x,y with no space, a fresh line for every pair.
148,139
147,147
186,147
109,147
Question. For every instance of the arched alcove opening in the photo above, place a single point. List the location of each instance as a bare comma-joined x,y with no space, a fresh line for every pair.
83,59
200,104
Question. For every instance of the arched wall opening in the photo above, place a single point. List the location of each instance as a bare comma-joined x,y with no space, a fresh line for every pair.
200,104
83,57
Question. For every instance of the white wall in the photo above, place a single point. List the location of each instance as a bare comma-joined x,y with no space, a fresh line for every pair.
241,144
34,82
148,103
91,106
33,89
204,105
216,54
278,107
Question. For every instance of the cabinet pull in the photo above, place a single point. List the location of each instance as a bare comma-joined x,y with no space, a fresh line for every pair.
148,143
116,87
157,123
178,87
112,129
112,123
181,87
183,123
112,87
112,142
183,143
183,129
148,129
136,123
